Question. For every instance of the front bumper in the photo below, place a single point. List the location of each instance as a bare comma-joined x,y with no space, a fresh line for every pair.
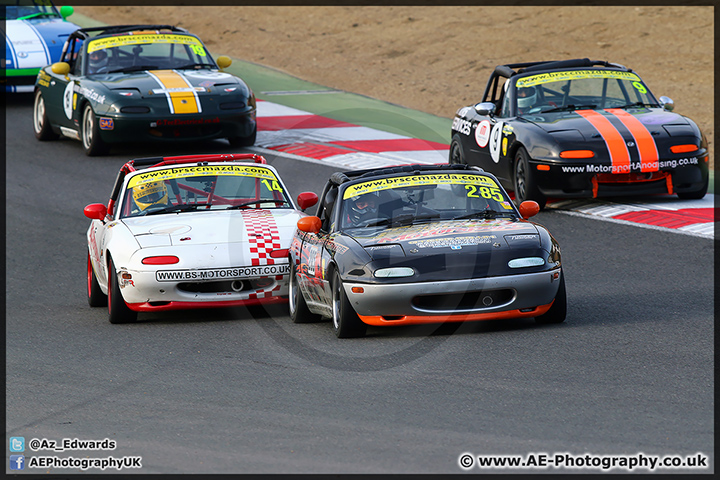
147,127
590,181
511,296
142,292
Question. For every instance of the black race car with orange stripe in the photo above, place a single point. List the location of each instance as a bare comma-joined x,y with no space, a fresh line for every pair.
130,83
579,128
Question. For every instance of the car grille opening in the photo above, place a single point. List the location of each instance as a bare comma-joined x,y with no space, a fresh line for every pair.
228,286
464,301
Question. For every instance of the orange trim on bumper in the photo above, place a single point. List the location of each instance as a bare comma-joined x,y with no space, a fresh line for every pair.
379,320
147,307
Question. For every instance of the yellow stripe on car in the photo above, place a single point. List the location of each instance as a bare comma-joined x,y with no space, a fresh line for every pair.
181,94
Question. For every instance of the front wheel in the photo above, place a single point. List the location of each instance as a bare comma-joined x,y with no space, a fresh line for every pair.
346,323
248,141
524,179
696,194
118,311
90,135
457,155
96,298
41,125
558,310
299,312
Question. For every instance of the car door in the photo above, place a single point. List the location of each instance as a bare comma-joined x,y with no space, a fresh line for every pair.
315,257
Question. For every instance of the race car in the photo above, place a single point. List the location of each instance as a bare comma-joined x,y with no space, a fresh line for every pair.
136,83
194,231
418,244
34,33
579,128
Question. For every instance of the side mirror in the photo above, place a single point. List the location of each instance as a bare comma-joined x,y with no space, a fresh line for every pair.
66,11
95,211
485,108
223,61
667,103
529,208
309,224
306,200
60,68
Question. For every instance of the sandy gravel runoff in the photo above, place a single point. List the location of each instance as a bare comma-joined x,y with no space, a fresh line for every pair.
437,59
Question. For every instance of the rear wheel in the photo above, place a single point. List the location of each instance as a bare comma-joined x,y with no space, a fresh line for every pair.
299,312
118,311
41,125
346,323
90,135
524,179
558,310
457,155
96,298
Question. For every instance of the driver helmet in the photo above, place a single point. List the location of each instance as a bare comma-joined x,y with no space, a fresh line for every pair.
526,97
361,205
97,60
149,194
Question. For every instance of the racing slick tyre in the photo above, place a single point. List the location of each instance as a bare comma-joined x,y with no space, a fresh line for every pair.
299,312
346,323
558,310
118,311
457,155
90,134
41,125
96,298
248,141
694,195
524,180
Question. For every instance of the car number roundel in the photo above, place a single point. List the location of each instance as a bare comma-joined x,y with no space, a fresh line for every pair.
495,141
482,133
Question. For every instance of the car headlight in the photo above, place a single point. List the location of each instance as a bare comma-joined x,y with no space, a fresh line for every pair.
394,272
526,262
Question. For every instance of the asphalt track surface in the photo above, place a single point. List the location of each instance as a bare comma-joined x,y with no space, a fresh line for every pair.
248,391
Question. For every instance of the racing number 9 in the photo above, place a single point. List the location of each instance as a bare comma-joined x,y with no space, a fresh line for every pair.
485,192
640,87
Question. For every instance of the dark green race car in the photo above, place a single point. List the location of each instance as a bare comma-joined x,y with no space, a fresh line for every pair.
136,83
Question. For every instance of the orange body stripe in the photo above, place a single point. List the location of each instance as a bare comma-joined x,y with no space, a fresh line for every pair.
378,320
182,101
619,155
649,157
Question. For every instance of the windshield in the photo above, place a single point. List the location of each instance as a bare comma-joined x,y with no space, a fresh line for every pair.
422,198
581,89
146,51
23,9
202,188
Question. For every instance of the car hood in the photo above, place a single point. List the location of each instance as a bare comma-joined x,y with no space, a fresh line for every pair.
662,124
150,84
455,249
211,228
482,233
35,42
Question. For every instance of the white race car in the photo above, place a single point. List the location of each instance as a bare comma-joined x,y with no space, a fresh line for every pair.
194,231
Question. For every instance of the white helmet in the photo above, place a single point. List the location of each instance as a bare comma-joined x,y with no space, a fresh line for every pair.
526,97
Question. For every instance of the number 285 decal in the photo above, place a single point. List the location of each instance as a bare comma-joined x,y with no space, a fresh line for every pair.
484,192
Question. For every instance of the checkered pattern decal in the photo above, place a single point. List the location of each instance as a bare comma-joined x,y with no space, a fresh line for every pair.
264,237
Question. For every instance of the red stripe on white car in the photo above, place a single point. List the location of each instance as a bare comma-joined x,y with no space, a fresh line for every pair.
263,235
